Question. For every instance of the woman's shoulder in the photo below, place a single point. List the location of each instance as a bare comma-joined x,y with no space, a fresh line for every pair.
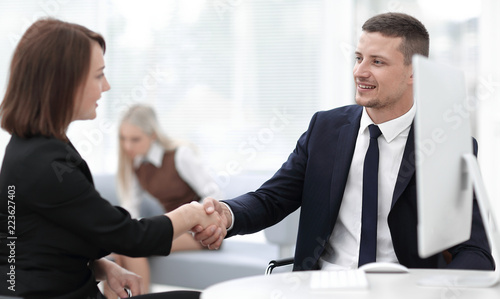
36,140
35,150
185,153
28,162
183,148
38,145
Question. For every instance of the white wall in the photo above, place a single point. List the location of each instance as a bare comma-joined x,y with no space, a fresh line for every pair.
488,94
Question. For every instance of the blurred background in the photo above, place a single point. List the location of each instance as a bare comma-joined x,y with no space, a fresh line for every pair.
241,78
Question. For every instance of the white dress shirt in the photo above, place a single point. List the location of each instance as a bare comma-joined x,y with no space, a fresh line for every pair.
189,167
342,251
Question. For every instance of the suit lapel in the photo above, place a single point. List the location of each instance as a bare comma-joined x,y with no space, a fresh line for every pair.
407,168
343,159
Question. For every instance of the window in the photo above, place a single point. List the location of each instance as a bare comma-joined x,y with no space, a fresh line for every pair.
239,79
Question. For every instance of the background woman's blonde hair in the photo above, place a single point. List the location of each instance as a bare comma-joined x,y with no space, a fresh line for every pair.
143,117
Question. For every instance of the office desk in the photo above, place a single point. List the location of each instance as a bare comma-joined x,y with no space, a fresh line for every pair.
381,285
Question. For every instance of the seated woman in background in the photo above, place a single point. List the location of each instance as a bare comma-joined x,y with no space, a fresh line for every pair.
58,225
169,170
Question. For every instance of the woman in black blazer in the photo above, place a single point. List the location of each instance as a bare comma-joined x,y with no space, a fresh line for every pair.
55,228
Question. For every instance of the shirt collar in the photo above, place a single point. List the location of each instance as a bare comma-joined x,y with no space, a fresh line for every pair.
153,156
392,128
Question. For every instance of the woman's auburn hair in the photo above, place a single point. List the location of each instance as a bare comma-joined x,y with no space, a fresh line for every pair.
48,69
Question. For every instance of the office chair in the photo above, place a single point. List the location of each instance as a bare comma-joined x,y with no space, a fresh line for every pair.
278,263
284,234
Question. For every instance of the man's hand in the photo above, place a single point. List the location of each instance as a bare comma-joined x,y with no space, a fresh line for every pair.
212,236
118,278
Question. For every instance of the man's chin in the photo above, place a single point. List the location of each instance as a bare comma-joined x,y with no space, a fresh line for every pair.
368,103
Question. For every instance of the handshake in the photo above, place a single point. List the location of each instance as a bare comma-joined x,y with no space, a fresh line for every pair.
208,221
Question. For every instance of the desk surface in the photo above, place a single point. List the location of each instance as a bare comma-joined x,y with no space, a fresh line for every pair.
381,285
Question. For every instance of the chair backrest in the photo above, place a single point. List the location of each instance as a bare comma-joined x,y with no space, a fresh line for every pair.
284,234
105,185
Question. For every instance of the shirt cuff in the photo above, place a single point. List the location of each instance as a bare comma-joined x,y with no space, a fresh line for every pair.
232,215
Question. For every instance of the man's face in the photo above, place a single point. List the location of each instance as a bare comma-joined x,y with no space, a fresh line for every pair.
384,84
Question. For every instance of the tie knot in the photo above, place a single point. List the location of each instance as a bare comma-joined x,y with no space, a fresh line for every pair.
374,131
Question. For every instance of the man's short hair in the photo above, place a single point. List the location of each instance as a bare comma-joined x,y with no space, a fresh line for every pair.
415,38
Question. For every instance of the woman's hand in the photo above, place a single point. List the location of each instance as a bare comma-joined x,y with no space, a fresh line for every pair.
117,278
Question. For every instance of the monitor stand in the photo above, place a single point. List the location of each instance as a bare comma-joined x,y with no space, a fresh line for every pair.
490,278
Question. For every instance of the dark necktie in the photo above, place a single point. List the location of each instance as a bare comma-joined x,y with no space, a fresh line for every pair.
369,214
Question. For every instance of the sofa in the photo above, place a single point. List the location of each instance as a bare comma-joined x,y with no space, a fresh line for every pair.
238,256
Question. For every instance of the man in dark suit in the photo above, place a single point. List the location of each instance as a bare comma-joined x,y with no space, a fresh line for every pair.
327,174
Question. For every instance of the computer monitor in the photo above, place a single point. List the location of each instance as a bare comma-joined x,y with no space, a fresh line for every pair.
446,169
442,137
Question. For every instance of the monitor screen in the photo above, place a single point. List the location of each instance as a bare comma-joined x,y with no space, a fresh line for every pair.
442,138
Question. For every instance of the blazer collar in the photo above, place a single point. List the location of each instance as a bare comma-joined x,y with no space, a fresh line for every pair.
343,158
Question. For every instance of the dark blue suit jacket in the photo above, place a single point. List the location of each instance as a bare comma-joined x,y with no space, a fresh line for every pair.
314,178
